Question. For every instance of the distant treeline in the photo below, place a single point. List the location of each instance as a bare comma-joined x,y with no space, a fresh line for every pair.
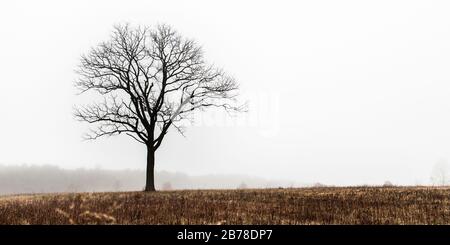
48,178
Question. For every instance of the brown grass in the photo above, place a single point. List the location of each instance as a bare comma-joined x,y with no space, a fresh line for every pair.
356,205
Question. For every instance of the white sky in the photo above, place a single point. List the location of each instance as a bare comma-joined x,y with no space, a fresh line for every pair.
341,92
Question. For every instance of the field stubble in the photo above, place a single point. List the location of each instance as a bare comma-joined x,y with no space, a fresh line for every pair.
352,205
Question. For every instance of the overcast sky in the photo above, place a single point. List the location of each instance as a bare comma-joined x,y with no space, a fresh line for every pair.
340,92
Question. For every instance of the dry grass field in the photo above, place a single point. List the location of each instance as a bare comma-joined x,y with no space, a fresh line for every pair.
352,205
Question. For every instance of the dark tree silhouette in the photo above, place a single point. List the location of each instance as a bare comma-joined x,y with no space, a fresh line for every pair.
150,80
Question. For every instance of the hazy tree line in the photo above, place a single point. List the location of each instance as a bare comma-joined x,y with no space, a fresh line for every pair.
48,178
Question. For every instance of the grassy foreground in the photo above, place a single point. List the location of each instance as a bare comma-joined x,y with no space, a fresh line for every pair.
352,205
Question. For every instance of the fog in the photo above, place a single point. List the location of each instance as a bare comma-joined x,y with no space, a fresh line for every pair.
339,92
32,179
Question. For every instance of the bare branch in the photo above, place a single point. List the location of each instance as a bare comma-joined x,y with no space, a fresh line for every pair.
151,80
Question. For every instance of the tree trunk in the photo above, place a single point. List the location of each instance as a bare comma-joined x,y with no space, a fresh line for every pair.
150,177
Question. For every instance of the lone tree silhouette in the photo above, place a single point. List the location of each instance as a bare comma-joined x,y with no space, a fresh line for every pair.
150,80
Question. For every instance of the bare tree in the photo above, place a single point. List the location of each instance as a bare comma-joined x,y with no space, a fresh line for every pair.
440,173
150,80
